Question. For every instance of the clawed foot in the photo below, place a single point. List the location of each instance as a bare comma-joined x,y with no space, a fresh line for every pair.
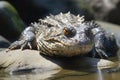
101,53
23,44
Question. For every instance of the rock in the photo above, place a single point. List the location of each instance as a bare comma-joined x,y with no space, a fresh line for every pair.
4,43
105,10
30,60
11,24
101,7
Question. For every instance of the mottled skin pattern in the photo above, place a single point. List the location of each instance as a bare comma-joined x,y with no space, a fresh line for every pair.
66,35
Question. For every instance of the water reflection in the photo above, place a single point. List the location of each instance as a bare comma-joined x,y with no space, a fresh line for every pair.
85,73
65,75
29,76
100,76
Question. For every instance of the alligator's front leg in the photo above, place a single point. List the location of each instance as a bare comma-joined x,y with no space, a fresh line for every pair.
99,45
26,40
104,44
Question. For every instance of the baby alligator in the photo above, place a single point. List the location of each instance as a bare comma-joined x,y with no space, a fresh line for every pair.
67,35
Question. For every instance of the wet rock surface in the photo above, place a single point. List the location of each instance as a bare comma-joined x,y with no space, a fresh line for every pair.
31,60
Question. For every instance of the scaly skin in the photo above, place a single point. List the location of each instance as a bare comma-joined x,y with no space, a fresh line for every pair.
66,35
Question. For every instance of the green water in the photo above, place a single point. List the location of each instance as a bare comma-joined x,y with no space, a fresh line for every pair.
65,74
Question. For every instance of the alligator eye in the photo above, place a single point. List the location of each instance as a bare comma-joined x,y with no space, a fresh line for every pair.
69,32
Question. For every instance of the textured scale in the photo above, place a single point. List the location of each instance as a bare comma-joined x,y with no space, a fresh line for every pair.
65,35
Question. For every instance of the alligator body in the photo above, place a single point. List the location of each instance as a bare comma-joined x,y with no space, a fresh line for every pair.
66,35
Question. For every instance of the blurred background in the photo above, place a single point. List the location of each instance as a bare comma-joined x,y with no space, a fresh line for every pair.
15,15
32,10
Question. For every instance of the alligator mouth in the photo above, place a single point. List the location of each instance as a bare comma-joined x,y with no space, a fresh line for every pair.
53,40
72,44
58,41
69,49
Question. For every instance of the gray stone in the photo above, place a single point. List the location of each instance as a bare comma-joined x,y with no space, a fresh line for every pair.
32,61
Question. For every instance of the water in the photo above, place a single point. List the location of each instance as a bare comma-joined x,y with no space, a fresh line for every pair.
66,74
